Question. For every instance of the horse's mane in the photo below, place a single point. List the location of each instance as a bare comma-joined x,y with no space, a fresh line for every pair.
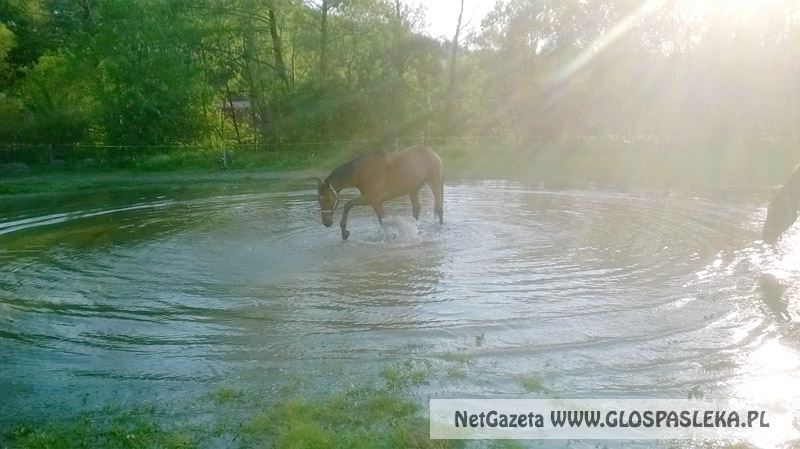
345,171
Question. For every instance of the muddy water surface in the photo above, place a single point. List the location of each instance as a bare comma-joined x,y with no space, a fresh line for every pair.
124,296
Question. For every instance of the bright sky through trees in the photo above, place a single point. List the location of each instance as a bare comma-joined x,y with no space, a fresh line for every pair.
442,15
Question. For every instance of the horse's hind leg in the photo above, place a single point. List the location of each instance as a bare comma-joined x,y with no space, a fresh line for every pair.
437,187
415,207
378,206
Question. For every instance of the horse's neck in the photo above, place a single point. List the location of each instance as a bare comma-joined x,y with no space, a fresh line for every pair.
352,174
341,178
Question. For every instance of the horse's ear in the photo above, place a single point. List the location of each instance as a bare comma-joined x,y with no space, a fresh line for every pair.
319,182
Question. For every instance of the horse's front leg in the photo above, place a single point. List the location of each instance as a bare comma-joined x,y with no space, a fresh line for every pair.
360,201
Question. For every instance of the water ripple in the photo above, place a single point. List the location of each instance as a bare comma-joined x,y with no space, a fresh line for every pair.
594,291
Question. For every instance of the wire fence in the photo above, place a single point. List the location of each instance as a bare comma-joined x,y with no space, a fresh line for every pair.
23,156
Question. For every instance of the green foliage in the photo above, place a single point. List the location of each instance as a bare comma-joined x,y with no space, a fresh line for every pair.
122,74
30,25
150,86
7,42
154,72
52,105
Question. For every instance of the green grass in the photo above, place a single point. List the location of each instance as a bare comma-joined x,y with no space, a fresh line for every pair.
648,163
227,395
356,417
48,183
138,428
457,365
364,416
360,417
533,383
408,374
375,416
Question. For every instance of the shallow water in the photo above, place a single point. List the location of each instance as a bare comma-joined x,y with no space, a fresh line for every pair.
117,297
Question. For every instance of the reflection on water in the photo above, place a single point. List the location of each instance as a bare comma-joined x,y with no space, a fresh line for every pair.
597,293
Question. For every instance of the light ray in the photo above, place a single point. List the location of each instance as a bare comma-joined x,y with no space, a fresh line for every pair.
608,39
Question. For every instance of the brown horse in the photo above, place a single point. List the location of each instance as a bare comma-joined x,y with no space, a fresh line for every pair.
782,209
381,176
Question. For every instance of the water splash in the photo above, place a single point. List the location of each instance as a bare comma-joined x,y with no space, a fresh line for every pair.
400,230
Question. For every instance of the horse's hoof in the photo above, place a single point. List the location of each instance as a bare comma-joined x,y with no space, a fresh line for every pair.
345,234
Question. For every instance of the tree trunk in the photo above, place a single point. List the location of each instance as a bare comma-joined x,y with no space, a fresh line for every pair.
450,112
280,66
323,40
398,89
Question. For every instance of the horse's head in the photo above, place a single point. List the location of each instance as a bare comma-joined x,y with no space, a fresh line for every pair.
328,200
781,214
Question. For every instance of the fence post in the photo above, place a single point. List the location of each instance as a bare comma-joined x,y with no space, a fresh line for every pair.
50,153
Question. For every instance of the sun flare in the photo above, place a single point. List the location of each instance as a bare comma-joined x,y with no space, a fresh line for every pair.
740,11
741,8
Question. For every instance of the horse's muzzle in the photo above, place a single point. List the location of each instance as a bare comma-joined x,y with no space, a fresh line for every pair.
327,221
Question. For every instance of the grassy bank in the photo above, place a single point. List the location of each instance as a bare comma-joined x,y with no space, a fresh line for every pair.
388,414
61,182
357,417
645,163
391,415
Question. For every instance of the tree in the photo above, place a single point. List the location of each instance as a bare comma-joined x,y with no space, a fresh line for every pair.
149,85
7,42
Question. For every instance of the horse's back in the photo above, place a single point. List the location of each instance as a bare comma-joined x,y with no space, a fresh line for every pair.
408,169
429,159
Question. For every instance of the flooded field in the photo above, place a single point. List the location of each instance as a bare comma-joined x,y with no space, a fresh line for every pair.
527,290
